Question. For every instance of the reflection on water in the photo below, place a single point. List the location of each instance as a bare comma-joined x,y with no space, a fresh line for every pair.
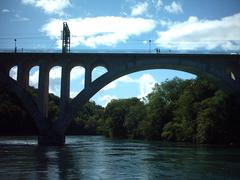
95,157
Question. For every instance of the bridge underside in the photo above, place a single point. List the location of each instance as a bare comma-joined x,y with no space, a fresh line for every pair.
224,70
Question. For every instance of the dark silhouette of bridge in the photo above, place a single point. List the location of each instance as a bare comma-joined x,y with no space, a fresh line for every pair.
224,70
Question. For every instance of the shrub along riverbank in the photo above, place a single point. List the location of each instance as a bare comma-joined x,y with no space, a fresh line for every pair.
176,110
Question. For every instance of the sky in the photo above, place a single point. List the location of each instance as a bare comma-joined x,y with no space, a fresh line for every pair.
173,26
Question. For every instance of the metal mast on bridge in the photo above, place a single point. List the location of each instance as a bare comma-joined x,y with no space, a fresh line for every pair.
65,38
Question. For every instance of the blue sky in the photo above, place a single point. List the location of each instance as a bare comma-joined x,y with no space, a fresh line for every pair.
120,25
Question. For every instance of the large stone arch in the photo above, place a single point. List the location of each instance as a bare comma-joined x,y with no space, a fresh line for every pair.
199,68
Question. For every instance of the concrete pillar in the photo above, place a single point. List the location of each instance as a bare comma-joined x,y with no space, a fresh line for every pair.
43,90
23,75
88,77
65,90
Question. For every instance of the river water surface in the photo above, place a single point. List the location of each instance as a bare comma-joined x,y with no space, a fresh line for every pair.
96,157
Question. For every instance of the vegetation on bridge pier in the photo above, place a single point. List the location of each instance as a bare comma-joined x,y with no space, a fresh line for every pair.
176,110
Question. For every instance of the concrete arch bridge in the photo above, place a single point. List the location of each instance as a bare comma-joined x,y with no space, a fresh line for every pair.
224,70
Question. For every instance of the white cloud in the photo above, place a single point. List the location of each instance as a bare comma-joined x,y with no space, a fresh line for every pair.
49,6
55,73
123,79
175,7
106,99
127,79
166,23
139,9
146,83
55,80
111,85
33,79
202,34
77,72
96,31
5,10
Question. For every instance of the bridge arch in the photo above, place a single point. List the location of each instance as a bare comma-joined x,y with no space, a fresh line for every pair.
13,72
77,75
98,71
33,74
112,75
222,69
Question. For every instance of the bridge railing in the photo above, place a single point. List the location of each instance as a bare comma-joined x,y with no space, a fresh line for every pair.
140,51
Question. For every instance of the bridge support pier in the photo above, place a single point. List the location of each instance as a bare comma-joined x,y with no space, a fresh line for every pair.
51,139
23,76
43,90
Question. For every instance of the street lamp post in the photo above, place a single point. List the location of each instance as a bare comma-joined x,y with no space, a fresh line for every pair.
149,44
15,45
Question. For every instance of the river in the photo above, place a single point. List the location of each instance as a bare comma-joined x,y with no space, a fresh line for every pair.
97,157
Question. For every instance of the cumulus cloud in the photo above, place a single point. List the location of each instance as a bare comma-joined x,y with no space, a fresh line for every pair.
146,84
202,34
175,8
49,6
123,79
106,99
96,31
139,9
55,75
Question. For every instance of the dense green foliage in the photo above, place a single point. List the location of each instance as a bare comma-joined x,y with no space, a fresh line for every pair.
176,110
122,118
14,119
87,120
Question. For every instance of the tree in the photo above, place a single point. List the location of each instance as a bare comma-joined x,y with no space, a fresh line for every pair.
122,118
212,119
87,120
160,106
15,119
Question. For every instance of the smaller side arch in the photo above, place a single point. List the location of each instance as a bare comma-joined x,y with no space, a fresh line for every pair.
98,71
13,71
77,77
34,76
